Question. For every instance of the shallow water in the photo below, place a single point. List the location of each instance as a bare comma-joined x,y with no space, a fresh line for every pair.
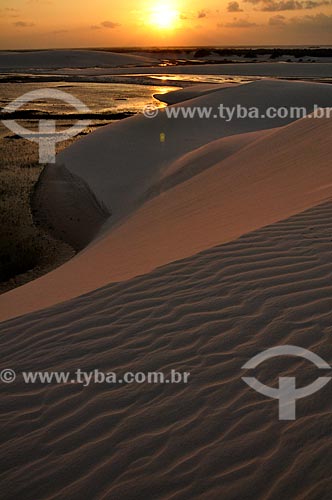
181,78
98,97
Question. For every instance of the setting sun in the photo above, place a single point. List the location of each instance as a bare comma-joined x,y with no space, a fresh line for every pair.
163,16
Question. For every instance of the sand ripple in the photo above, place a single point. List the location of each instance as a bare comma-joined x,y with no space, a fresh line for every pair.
213,438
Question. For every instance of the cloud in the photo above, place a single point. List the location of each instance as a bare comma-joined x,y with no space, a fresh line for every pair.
238,23
59,32
319,21
9,12
110,24
272,6
312,5
277,21
234,7
282,5
201,14
105,24
191,15
23,24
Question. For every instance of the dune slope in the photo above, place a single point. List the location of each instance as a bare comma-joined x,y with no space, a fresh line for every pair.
274,177
211,438
122,160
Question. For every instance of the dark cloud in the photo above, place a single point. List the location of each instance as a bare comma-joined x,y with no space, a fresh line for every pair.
282,5
9,12
238,23
109,24
201,14
278,21
319,21
23,24
105,24
234,7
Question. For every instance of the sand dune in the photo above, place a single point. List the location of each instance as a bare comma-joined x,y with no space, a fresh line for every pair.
200,159
218,246
212,438
237,187
270,178
53,59
220,204
99,62
122,160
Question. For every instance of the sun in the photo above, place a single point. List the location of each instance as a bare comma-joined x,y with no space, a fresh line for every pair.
163,16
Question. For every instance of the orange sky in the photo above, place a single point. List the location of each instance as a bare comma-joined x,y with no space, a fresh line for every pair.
81,23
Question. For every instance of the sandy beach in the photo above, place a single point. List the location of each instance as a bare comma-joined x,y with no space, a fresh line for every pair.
200,243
